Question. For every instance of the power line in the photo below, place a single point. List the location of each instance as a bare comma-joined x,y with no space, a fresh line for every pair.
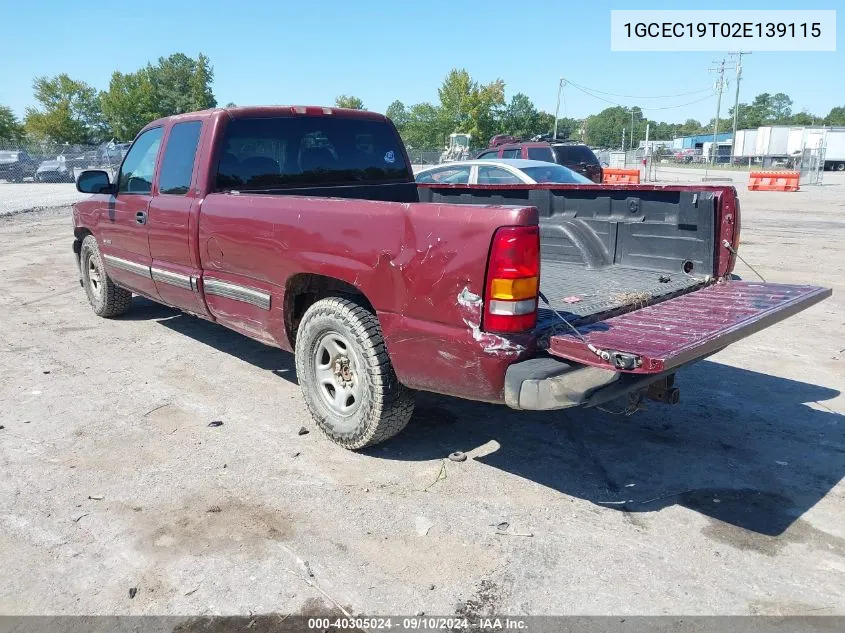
622,105
613,94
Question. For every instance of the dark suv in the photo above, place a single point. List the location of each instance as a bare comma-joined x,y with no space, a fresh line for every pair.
577,156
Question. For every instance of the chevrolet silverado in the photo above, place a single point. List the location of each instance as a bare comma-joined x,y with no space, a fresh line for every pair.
303,228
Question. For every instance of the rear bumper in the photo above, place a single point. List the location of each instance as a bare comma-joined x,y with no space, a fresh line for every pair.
546,383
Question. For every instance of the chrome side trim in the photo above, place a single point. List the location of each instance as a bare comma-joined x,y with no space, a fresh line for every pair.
236,292
174,279
125,264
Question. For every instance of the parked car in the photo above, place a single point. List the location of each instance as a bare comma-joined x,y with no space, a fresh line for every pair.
382,286
501,171
576,156
15,165
58,169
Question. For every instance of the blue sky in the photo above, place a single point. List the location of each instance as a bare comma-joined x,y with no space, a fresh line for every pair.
308,52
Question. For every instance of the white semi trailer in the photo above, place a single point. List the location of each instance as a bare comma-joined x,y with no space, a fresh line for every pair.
834,149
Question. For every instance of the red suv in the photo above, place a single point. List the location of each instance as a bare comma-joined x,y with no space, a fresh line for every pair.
577,156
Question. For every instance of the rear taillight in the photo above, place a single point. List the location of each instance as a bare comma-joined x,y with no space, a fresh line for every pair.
513,280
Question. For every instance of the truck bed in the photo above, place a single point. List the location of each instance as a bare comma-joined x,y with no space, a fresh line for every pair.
609,250
584,295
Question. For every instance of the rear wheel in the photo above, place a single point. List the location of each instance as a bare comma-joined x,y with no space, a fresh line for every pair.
106,298
347,380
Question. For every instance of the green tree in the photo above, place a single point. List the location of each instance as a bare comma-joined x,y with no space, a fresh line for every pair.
348,101
176,84
424,129
69,111
200,81
469,107
781,107
182,84
836,116
546,123
130,103
10,127
520,117
397,113
605,128
803,118
231,104
567,128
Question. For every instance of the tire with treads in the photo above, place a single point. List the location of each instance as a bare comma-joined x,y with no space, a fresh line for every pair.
379,406
106,298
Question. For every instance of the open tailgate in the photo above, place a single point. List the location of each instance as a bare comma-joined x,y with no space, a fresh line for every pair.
667,335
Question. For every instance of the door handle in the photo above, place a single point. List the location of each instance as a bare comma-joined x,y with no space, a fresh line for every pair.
141,217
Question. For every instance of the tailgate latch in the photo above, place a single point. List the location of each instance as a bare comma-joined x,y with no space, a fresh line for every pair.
624,360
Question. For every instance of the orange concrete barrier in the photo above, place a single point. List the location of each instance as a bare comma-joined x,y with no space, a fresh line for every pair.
620,176
773,181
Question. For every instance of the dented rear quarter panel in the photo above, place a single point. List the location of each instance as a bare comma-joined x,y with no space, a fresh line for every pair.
421,266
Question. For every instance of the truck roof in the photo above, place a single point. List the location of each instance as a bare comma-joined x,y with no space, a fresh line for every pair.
270,111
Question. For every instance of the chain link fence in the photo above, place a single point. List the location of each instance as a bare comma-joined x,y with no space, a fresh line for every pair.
41,161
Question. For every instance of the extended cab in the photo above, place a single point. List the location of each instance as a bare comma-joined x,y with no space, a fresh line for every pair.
302,227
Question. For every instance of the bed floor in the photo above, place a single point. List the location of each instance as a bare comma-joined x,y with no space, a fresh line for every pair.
602,292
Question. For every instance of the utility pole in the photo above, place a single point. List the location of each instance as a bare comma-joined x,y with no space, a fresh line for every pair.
631,139
557,107
720,85
738,55
623,139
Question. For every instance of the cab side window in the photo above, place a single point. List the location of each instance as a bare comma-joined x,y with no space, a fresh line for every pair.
136,174
177,166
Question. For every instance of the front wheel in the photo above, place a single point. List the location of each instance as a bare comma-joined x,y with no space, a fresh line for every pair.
347,380
106,298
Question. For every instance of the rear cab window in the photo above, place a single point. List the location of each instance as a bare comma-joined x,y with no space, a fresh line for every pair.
515,152
262,154
541,153
575,154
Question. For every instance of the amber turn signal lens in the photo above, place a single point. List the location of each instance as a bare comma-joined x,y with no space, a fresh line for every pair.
514,289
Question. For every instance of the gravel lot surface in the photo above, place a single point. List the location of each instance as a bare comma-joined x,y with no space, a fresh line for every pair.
731,502
25,196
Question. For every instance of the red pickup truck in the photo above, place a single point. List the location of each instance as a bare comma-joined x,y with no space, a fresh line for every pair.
302,227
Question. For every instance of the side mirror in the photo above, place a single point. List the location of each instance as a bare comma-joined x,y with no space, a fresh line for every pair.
94,181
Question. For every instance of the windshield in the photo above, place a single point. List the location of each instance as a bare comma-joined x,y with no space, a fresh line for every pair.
557,174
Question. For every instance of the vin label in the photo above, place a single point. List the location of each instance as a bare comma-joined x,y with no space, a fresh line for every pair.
723,30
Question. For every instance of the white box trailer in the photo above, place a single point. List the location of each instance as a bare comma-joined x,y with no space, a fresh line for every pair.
746,143
772,140
834,153
795,141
